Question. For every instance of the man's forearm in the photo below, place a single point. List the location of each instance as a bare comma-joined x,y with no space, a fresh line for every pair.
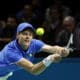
41,66
38,68
35,69
49,49
56,49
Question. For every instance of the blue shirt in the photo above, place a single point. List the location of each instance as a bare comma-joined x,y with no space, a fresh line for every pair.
12,53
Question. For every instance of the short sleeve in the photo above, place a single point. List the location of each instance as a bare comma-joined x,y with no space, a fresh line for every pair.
13,56
39,44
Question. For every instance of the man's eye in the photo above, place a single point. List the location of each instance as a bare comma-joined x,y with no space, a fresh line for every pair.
24,33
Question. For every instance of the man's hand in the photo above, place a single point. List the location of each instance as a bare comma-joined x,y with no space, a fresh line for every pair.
64,52
55,58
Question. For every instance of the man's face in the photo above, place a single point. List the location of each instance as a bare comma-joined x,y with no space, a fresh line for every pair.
24,38
28,11
69,25
11,22
54,14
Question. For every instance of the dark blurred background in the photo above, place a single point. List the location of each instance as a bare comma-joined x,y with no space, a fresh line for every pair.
12,6
49,14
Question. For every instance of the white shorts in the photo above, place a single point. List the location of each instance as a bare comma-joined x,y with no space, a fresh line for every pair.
6,77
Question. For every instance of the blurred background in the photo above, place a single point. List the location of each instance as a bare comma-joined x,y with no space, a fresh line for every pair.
61,21
59,18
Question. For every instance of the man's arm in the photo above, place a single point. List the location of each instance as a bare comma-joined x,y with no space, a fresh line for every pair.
55,49
39,67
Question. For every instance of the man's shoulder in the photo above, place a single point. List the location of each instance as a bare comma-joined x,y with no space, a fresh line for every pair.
10,45
36,41
9,49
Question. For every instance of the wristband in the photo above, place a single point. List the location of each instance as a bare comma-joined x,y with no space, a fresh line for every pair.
47,61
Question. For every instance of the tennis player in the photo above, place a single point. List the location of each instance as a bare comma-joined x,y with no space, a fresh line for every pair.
19,53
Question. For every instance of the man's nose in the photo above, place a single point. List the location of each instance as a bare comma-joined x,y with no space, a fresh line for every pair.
27,36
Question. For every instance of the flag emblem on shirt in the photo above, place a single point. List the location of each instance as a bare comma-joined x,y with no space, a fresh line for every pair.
30,55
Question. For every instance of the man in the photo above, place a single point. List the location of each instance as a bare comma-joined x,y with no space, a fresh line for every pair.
70,36
8,32
63,38
20,52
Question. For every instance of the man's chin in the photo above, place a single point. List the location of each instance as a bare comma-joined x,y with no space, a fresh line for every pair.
27,44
